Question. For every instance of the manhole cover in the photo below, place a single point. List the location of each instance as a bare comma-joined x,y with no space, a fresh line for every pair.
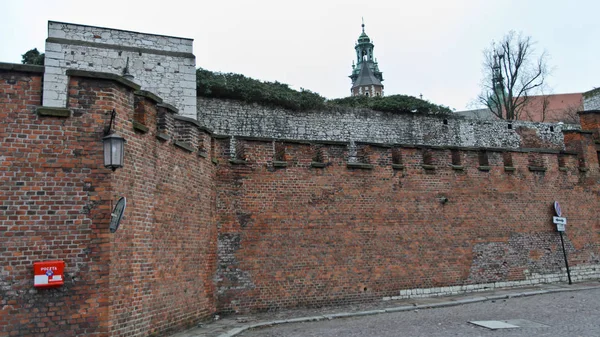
523,323
494,325
509,324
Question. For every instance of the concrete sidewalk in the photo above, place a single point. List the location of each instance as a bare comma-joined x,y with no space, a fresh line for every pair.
237,324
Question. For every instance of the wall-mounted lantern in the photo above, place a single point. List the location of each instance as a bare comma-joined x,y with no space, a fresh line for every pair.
113,147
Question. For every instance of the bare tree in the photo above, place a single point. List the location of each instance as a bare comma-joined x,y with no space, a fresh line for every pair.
537,108
570,114
512,73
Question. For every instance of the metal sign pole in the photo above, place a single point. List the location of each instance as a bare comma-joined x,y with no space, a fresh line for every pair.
565,253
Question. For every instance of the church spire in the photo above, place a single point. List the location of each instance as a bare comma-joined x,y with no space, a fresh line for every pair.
364,57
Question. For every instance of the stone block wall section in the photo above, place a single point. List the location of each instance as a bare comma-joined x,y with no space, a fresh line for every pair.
591,100
163,65
154,275
325,232
234,118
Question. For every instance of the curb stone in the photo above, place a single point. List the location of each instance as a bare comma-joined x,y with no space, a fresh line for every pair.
238,330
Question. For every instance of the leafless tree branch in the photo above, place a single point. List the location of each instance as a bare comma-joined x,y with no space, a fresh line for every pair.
522,75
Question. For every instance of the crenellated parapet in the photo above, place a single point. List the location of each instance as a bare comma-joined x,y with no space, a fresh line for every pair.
575,160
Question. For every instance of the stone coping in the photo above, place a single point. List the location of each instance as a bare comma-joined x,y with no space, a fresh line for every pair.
103,76
119,47
140,127
533,168
578,131
118,30
148,95
384,145
193,122
316,164
184,145
170,107
363,166
53,111
26,68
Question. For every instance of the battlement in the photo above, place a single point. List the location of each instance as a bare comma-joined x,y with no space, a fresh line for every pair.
405,158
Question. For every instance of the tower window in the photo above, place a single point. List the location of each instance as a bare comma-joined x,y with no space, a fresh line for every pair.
366,93
378,94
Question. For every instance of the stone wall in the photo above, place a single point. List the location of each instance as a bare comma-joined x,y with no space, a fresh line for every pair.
591,100
305,226
228,117
151,277
163,65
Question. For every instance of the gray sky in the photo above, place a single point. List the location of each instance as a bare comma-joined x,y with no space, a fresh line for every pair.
431,47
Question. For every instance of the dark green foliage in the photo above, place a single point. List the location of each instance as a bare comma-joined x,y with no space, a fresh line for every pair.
240,87
394,103
33,56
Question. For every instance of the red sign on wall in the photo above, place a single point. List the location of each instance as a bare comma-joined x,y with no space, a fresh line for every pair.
48,273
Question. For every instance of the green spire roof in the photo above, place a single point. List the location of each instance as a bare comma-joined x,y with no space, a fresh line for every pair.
363,38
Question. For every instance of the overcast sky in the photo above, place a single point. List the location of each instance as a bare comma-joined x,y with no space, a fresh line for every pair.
430,47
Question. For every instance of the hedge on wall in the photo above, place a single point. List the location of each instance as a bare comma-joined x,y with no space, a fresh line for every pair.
240,87
393,103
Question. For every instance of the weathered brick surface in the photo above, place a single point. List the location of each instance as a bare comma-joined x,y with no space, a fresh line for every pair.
53,187
155,273
214,224
163,255
306,236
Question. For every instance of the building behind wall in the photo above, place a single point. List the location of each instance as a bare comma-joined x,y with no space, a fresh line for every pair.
366,77
253,208
552,108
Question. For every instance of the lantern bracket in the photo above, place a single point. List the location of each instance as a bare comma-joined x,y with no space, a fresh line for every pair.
112,119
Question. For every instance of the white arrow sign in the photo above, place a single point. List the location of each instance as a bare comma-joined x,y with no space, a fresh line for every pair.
559,220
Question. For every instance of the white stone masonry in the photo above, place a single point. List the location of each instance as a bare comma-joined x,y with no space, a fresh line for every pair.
163,65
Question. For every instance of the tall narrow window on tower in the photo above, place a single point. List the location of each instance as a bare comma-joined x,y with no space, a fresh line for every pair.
366,77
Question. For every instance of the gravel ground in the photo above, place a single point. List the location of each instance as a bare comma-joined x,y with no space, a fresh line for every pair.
572,314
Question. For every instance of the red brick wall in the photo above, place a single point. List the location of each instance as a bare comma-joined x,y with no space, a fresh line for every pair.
590,121
163,255
306,236
271,236
154,274
51,208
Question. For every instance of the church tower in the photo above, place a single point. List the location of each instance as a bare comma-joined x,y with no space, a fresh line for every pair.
366,77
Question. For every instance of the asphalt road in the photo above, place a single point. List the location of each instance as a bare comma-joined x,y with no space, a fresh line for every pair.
568,314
